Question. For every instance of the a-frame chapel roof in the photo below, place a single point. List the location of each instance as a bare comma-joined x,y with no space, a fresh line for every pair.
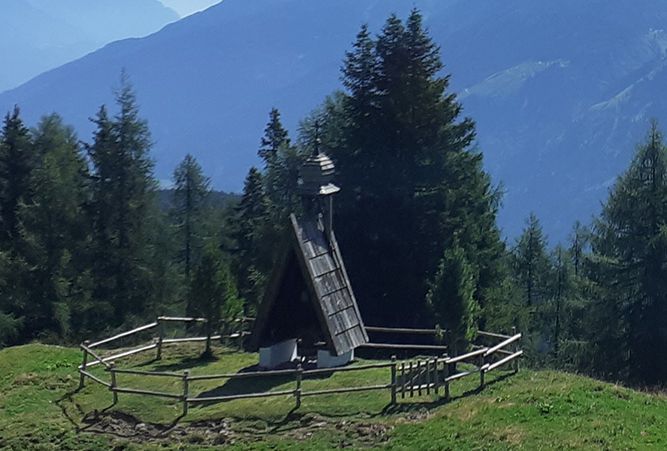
315,256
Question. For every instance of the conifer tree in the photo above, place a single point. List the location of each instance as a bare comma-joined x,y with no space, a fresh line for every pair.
252,230
17,161
451,299
122,189
213,293
579,239
282,162
561,292
274,137
10,324
54,227
631,244
531,263
191,188
410,178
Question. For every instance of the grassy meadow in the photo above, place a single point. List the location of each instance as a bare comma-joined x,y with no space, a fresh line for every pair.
40,409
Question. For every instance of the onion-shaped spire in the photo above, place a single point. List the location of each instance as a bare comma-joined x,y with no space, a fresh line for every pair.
317,173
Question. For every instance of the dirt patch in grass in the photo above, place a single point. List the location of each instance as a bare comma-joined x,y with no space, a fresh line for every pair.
228,431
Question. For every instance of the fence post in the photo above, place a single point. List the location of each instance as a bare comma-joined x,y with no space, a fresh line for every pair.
297,392
481,371
402,379
160,338
393,379
435,375
84,362
419,378
516,349
446,371
186,391
428,376
241,328
412,380
112,367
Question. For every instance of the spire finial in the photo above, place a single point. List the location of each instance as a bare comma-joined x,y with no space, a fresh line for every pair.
318,141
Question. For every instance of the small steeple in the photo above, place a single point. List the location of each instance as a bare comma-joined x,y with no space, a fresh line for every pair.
317,172
316,185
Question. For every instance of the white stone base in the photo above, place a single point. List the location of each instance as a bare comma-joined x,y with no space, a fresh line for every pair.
282,352
325,359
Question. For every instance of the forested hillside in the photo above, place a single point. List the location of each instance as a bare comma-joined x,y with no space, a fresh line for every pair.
86,247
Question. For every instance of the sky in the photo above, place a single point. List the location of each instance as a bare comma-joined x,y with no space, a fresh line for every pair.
187,7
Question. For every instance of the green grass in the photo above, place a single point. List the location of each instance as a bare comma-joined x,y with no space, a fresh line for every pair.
546,410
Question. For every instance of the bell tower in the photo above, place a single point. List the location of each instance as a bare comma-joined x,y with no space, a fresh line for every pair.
316,187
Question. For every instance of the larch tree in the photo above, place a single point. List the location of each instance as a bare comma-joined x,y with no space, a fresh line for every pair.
191,189
531,262
630,242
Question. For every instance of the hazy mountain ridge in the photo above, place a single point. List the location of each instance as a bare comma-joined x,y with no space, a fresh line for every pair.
560,90
38,35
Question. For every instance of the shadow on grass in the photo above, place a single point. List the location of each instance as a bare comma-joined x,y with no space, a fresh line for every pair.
262,383
184,364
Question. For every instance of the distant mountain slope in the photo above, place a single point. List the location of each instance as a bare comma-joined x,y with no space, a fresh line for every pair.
561,89
38,35
187,7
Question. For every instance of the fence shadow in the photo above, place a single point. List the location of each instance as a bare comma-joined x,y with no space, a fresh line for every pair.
184,364
259,384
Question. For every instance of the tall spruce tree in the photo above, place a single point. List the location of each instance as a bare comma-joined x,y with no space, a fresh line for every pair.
17,161
54,227
274,137
122,189
251,230
282,162
411,180
630,243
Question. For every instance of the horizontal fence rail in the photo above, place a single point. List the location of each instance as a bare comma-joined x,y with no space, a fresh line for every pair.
402,330
407,378
481,333
105,360
245,396
146,392
181,319
124,334
346,390
414,347
148,373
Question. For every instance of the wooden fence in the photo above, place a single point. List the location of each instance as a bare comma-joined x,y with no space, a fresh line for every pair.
407,379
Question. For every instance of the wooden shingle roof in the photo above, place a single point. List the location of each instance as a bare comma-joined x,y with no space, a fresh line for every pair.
321,266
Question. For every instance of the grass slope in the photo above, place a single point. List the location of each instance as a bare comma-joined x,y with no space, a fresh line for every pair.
545,410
